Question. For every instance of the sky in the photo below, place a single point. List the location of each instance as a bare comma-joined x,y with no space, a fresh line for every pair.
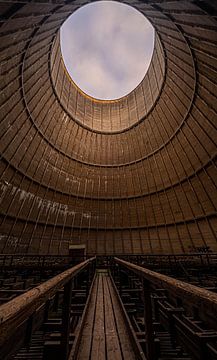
107,48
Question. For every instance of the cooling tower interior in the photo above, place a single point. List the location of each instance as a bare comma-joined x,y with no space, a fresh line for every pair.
136,175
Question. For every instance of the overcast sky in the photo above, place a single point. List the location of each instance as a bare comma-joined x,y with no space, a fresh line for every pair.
107,48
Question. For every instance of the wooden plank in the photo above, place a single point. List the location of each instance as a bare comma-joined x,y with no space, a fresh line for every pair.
112,340
124,338
98,345
86,338
104,335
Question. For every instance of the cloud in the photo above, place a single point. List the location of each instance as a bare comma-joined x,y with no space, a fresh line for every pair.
107,47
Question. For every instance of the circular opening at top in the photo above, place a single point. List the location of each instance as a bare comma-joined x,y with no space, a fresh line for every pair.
107,48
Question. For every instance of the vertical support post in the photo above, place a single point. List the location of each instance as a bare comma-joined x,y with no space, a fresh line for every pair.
149,333
113,269
29,329
91,271
56,301
120,280
46,310
67,298
88,280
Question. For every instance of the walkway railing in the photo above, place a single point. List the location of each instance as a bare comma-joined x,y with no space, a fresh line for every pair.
184,296
24,314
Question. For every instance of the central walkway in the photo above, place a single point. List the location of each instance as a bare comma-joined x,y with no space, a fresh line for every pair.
105,335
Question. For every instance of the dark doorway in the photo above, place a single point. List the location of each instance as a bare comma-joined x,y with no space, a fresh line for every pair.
77,253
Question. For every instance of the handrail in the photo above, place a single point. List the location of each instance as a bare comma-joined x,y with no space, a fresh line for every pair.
199,297
16,311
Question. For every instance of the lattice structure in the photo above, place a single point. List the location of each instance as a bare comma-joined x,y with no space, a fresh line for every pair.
135,175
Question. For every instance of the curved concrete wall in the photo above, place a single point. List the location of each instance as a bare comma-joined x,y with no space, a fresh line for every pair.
136,175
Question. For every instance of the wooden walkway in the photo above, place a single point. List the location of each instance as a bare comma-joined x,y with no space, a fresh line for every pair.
104,335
